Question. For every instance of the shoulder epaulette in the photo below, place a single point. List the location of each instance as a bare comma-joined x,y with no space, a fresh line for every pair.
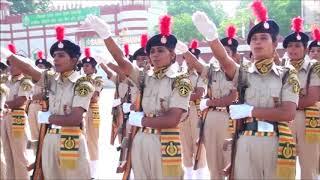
84,86
183,84
4,78
292,78
316,68
4,90
98,81
26,83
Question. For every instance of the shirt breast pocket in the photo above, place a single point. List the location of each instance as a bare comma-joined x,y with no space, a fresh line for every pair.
251,94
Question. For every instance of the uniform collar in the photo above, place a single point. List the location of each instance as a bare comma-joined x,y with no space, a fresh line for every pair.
252,68
73,76
305,64
92,76
170,72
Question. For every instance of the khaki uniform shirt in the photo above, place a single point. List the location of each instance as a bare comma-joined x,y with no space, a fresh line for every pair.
197,81
303,75
160,95
265,90
220,86
4,91
66,93
97,82
124,87
19,86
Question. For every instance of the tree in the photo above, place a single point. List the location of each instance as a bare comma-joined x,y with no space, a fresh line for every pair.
282,11
182,11
28,6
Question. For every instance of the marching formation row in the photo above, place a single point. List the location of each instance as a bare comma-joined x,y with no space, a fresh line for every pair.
244,119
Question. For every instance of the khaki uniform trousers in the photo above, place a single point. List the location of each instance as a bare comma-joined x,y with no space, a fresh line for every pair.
307,153
146,157
92,137
50,160
256,157
215,133
189,133
14,149
3,168
33,110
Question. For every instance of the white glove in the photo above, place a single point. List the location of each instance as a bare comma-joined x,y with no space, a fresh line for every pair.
116,102
126,107
240,111
135,118
43,117
5,53
98,25
181,47
203,104
205,26
102,57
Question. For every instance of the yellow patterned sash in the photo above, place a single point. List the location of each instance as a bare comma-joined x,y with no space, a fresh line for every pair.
286,158
286,162
171,152
312,126
69,147
95,114
197,104
231,126
18,122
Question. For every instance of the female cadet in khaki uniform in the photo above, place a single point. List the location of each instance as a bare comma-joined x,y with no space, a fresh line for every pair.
156,151
15,131
64,153
189,127
92,118
37,96
270,101
314,47
305,126
4,91
222,93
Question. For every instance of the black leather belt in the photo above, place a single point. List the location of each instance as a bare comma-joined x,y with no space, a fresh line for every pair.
253,126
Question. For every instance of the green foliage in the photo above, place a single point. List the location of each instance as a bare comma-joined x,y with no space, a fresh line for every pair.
29,6
182,10
282,11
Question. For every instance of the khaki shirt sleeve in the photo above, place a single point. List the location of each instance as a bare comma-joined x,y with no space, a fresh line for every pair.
202,83
134,75
235,78
113,79
83,99
315,75
179,100
98,85
291,87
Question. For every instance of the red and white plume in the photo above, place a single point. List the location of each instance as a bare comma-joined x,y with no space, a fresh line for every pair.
12,48
87,52
259,10
297,24
143,40
231,33
126,49
40,55
60,33
194,44
165,25
316,33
